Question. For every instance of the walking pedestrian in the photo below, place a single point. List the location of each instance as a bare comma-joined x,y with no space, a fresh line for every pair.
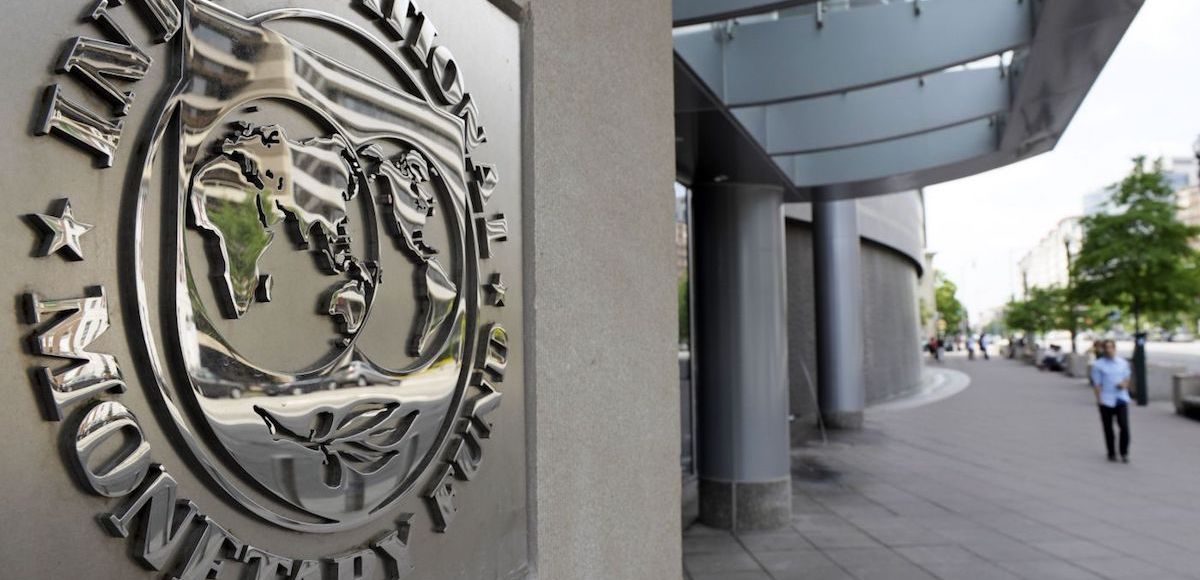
983,345
970,344
1110,382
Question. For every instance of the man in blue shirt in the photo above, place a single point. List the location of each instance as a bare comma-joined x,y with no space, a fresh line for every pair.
1110,380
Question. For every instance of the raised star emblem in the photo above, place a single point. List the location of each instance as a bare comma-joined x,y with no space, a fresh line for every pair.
62,232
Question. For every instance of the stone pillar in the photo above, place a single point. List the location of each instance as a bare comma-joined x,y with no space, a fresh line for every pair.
741,350
837,265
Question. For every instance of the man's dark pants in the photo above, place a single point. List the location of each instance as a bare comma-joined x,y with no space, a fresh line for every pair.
1121,413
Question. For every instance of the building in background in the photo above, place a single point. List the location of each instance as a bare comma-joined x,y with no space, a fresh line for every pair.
1180,172
803,131
1048,264
837,113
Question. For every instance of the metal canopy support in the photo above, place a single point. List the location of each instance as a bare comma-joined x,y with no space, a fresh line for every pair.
837,269
687,12
895,157
898,109
741,337
793,58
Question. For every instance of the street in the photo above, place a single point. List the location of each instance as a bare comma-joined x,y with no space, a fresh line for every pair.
1185,354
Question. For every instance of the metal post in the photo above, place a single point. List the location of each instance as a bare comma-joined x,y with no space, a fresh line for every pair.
838,264
1139,369
741,352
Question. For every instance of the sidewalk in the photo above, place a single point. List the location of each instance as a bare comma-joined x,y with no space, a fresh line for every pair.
1004,480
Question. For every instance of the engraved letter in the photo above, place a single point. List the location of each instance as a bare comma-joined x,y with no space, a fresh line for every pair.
393,549
446,75
121,474
495,352
467,454
69,337
469,112
399,15
495,361
488,231
355,566
205,559
264,565
162,527
97,60
80,126
306,570
482,184
166,17
441,498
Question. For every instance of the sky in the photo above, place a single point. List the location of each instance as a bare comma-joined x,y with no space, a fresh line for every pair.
1145,102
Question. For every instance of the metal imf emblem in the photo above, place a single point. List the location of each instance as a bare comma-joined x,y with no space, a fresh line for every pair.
289,216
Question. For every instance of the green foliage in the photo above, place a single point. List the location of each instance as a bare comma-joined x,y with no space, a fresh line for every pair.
1137,257
245,239
1044,310
946,302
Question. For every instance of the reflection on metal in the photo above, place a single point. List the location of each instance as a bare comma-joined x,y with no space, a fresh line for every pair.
465,455
121,474
364,175
63,230
166,16
259,180
77,323
491,230
165,518
400,182
483,183
97,60
497,290
78,125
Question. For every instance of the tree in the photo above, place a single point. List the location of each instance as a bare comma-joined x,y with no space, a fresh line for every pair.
1044,310
1138,257
946,301
1017,316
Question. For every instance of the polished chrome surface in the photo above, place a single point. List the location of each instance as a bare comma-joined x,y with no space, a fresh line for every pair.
63,231
336,440
300,300
74,324
120,474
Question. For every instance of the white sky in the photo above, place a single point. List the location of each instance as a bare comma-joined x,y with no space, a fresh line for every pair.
1146,101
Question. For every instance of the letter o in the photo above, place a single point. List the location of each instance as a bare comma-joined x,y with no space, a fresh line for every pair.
120,475
446,75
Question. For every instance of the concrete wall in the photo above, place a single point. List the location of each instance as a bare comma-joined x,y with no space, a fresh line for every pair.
600,290
892,342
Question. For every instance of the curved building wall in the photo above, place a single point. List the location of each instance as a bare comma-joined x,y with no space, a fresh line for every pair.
891,229
892,334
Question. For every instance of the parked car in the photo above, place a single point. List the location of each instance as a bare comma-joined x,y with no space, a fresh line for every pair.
1181,336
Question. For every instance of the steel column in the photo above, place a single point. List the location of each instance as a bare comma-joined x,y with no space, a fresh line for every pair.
837,266
741,339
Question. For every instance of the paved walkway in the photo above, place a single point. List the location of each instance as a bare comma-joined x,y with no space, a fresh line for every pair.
1005,480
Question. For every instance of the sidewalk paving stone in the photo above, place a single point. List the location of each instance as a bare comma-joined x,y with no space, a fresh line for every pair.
1006,480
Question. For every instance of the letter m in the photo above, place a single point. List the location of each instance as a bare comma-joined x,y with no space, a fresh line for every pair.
77,324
